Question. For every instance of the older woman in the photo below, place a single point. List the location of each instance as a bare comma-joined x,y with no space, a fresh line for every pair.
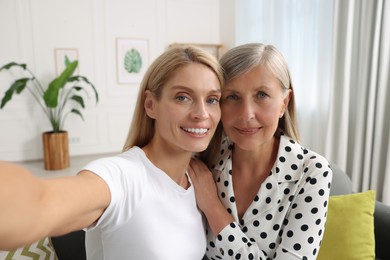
271,194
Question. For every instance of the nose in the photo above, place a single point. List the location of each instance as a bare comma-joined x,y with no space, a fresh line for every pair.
247,110
200,111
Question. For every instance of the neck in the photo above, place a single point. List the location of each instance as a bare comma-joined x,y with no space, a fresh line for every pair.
258,162
173,162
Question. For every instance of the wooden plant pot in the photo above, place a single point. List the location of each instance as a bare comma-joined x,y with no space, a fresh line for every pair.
56,150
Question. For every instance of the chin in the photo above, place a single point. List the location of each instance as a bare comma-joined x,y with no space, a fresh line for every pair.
247,146
197,148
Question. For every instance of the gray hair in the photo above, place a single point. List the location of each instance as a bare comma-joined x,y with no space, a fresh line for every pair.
243,58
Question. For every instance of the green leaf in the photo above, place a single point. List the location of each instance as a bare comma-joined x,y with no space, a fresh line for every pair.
79,89
76,111
81,78
11,64
67,61
79,100
18,86
133,61
51,94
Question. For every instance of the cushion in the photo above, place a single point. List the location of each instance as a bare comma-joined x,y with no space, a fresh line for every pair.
40,250
349,230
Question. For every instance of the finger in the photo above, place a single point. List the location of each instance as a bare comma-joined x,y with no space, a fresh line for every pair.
190,171
198,165
192,174
192,166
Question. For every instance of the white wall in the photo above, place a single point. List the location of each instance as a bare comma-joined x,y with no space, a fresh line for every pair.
228,23
30,30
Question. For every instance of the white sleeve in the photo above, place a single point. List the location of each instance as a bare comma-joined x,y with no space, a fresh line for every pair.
125,179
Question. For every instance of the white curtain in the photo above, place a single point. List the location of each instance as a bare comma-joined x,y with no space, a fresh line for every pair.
338,53
302,31
358,126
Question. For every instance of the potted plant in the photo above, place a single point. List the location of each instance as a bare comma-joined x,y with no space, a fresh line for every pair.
63,96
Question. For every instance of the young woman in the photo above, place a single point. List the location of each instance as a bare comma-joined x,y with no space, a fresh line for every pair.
139,204
271,194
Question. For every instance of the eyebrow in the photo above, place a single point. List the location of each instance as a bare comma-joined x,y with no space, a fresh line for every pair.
180,87
262,87
258,88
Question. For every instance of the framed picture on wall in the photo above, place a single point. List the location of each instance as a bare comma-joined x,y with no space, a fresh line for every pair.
64,56
132,59
216,49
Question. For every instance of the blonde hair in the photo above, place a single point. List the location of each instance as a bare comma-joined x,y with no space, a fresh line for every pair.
241,59
160,71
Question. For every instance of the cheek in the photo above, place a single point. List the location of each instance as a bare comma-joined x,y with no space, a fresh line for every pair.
227,114
270,112
224,120
216,114
269,118
214,110
168,113
273,107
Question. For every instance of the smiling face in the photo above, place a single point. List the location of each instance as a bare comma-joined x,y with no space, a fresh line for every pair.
251,106
187,113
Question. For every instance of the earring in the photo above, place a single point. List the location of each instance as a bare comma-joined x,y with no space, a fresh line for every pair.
281,115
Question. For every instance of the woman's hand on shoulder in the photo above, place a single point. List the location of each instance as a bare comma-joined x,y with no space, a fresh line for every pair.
204,184
207,196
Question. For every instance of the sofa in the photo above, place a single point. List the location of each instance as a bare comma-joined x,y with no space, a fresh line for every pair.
341,184
71,246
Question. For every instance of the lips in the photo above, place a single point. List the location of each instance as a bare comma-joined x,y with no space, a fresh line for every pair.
248,131
197,131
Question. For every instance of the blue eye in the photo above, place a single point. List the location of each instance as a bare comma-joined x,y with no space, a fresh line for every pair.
181,98
261,94
213,100
232,97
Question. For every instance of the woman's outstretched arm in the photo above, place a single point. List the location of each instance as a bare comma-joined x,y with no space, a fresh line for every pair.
33,208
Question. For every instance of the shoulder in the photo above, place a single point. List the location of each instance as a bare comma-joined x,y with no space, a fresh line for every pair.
224,155
293,155
126,177
290,148
120,161
127,165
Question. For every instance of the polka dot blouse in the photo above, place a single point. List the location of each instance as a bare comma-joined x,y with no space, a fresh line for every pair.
286,219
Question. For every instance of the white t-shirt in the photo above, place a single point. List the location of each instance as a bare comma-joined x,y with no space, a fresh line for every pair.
149,216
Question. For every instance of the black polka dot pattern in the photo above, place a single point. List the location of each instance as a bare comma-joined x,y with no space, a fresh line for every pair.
287,216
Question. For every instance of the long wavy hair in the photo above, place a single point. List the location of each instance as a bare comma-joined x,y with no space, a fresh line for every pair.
142,128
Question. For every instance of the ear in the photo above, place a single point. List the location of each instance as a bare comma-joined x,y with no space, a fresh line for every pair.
286,100
150,104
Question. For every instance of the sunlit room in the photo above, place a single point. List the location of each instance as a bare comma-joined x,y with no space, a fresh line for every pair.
76,75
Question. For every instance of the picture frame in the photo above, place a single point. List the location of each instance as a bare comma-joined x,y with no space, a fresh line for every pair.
216,49
64,55
132,59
